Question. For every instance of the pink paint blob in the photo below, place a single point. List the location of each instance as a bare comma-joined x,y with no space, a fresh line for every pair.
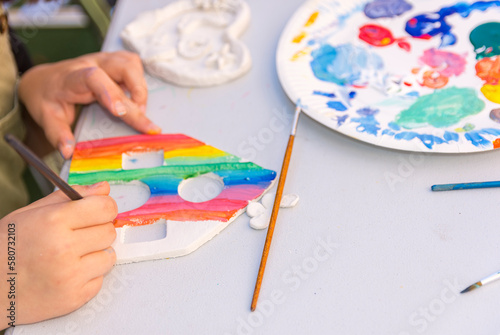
444,62
443,65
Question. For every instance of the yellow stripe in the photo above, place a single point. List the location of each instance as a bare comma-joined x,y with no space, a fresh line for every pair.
114,162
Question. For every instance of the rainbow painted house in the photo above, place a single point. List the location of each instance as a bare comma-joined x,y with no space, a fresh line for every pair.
167,225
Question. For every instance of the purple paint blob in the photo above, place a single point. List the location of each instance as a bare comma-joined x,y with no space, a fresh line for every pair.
386,8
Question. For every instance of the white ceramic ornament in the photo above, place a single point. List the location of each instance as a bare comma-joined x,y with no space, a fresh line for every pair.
192,42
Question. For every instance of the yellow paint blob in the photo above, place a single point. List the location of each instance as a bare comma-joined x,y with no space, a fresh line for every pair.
300,54
491,92
385,41
299,37
311,19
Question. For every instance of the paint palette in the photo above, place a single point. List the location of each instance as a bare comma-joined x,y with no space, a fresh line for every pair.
409,75
174,193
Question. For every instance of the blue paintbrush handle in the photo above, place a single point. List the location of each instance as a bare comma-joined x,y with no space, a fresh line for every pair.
465,186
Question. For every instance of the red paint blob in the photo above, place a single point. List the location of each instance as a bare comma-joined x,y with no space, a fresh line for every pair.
380,36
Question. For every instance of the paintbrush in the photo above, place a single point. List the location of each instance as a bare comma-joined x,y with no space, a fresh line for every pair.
38,164
276,207
465,186
482,282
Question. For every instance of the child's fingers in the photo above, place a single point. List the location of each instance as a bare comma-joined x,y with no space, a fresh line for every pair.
138,120
101,188
126,67
58,131
90,289
90,211
94,238
111,96
107,92
98,263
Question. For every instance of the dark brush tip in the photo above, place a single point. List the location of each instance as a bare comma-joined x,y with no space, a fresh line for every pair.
472,287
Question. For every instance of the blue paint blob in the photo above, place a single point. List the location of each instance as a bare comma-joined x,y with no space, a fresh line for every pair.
474,136
386,8
324,94
341,119
159,185
352,94
394,126
427,139
367,122
337,105
433,24
413,94
345,64
237,177
367,111
388,132
449,136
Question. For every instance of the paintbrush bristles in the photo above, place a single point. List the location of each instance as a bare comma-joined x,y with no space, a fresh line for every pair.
274,214
472,287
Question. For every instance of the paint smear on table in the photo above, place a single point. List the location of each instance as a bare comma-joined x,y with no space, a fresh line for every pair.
184,157
441,109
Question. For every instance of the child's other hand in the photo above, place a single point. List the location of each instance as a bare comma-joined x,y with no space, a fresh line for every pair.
62,251
51,91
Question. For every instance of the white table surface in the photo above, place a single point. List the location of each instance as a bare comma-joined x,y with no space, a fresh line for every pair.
395,253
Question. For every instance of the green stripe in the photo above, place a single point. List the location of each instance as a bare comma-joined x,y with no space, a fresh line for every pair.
182,172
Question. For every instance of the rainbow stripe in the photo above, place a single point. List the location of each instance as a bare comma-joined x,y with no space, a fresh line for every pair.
184,157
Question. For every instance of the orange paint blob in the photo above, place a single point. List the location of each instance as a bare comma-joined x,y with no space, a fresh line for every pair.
434,79
496,143
488,69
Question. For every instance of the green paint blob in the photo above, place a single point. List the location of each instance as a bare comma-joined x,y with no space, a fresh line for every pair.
486,40
441,109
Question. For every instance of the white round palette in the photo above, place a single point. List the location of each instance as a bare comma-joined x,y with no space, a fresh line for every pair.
398,74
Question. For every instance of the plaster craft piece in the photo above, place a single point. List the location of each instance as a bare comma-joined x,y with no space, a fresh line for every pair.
260,212
160,214
408,75
192,42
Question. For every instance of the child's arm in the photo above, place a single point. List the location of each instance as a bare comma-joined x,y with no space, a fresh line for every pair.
51,91
62,250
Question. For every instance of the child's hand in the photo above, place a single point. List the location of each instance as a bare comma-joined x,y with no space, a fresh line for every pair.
62,251
51,91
